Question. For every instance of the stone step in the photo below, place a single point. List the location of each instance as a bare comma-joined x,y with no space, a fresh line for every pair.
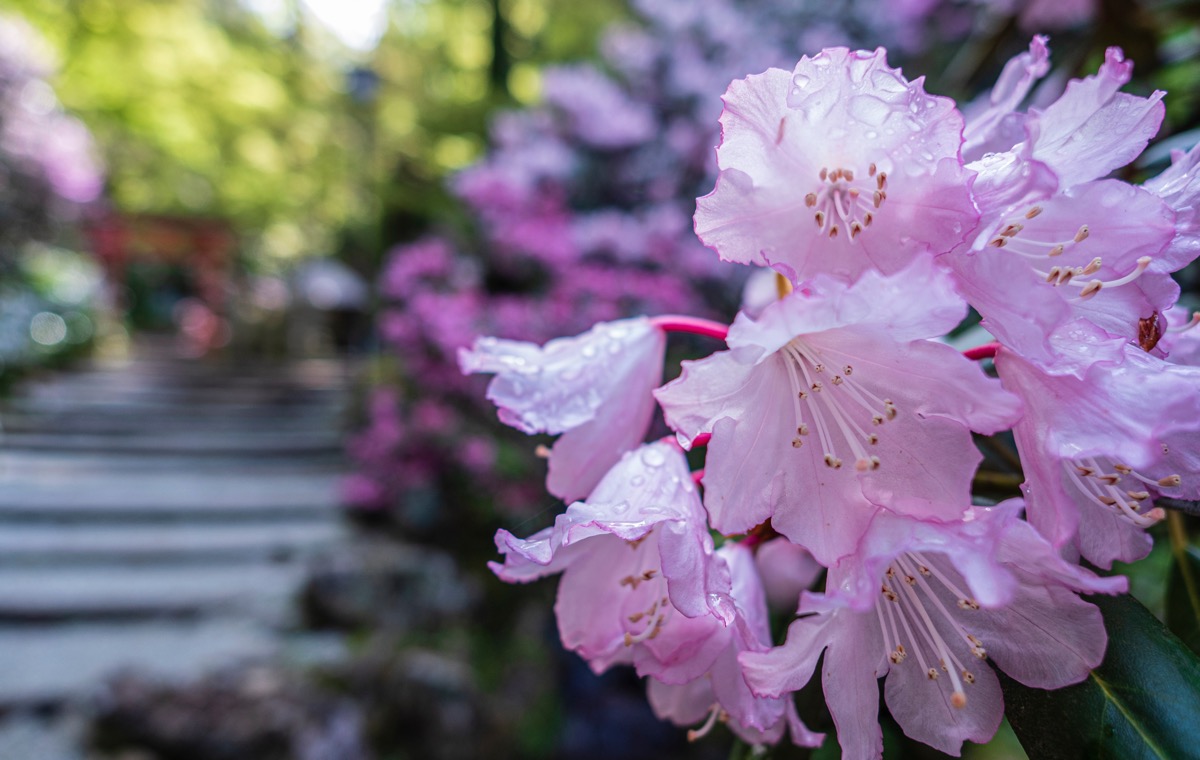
157,495
66,465
45,664
256,443
260,591
103,421
61,545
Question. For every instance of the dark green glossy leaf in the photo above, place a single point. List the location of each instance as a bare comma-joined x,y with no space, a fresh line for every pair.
1142,702
1183,598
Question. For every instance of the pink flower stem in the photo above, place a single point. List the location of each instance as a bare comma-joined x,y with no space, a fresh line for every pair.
693,325
986,351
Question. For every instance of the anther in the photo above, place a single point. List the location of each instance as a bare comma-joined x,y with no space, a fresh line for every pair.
889,409
998,242
881,180
542,451
878,198
848,175
958,700
871,170
1056,251
837,380
1124,469
1082,234
833,231
863,465
847,370
1093,266
816,387
802,429
824,173
855,228
833,462
820,217
872,439
797,443
1032,212
810,200
1011,230
876,420
932,674
867,219
1170,481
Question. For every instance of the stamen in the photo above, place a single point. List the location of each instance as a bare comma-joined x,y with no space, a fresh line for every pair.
1195,320
699,733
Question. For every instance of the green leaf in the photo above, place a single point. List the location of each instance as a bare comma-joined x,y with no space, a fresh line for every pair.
1142,702
1183,597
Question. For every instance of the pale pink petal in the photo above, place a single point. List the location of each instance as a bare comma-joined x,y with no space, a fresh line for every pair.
1179,187
1093,129
786,569
594,387
984,117
1047,637
924,710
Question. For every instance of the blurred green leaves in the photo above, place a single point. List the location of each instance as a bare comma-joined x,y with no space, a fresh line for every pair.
200,109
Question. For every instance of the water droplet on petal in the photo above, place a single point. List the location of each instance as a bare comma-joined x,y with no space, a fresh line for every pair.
800,80
637,481
653,458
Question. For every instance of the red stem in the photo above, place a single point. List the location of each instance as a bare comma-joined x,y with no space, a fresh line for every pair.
694,325
986,351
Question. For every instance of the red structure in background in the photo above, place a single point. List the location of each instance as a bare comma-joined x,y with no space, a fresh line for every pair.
202,248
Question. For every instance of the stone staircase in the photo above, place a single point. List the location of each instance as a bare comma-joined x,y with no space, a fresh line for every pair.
158,515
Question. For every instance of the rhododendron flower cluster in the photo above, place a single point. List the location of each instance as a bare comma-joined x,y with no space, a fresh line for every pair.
837,429
583,210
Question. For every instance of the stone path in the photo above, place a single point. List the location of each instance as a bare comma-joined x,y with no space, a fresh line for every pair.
158,515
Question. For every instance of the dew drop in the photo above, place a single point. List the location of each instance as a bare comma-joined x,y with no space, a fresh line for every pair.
653,458
589,351
800,80
637,481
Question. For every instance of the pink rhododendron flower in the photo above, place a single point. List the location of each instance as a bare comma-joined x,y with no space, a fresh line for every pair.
1104,434
640,581
1055,244
832,401
722,693
1092,251
594,388
921,603
838,167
